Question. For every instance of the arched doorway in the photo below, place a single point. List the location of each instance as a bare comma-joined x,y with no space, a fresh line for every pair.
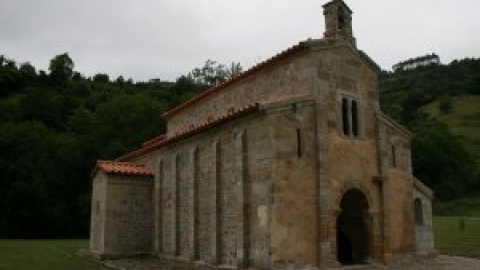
352,228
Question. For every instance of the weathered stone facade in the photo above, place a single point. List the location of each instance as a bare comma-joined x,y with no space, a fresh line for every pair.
122,222
290,161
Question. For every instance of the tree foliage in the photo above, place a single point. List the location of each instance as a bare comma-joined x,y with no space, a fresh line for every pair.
213,73
438,157
61,68
440,160
54,127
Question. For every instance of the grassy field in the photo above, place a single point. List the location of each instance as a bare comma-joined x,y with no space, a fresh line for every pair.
457,237
43,255
450,238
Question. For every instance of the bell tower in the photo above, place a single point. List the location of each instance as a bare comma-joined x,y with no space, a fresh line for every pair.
338,21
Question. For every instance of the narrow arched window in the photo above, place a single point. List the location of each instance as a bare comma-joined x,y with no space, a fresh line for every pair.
354,118
394,156
418,209
345,117
341,19
350,117
299,143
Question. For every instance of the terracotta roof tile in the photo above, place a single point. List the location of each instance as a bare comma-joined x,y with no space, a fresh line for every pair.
154,140
188,131
127,168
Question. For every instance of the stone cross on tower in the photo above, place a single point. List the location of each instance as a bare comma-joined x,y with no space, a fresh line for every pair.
338,21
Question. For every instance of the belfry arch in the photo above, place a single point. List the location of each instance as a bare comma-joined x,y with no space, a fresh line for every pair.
353,228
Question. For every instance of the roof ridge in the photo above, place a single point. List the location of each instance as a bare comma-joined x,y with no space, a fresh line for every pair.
126,163
277,57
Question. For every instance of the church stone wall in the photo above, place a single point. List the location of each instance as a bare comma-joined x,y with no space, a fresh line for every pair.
266,188
394,146
286,80
213,191
424,240
398,216
98,213
294,216
345,161
128,216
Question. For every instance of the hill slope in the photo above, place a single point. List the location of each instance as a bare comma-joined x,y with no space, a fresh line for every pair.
440,104
463,121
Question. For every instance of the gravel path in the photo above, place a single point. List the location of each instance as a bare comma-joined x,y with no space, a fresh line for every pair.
440,262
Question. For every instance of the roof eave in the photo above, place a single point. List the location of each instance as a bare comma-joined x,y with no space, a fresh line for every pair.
252,71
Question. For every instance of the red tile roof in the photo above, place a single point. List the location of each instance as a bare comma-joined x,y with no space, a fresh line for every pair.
161,140
217,89
154,140
127,168
300,47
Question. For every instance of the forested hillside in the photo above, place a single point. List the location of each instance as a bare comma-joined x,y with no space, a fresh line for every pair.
55,124
440,104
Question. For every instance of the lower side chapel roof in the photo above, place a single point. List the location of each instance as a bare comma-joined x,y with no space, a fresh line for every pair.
162,140
125,168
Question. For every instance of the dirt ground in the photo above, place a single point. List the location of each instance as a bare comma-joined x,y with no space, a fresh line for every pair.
440,262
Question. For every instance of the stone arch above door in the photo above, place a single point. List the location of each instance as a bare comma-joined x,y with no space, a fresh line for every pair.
337,198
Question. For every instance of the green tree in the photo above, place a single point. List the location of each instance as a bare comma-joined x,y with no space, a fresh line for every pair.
40,106
101,77
120,80
124,122
213,73
77,76
37,201
61,68
10,80
440,160
27,72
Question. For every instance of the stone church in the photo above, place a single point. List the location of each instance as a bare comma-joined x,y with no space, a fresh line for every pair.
291,161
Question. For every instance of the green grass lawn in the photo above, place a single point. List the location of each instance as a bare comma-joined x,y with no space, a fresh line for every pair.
58,254
451,239
43,255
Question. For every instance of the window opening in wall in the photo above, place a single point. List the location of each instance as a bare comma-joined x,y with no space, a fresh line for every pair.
341,19
354,118
299,142
418,209
394,157
345,117
294,107
350,117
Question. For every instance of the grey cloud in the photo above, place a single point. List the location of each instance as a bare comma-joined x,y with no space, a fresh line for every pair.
150,38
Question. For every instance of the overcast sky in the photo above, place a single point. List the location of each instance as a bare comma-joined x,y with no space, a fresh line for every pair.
147,39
